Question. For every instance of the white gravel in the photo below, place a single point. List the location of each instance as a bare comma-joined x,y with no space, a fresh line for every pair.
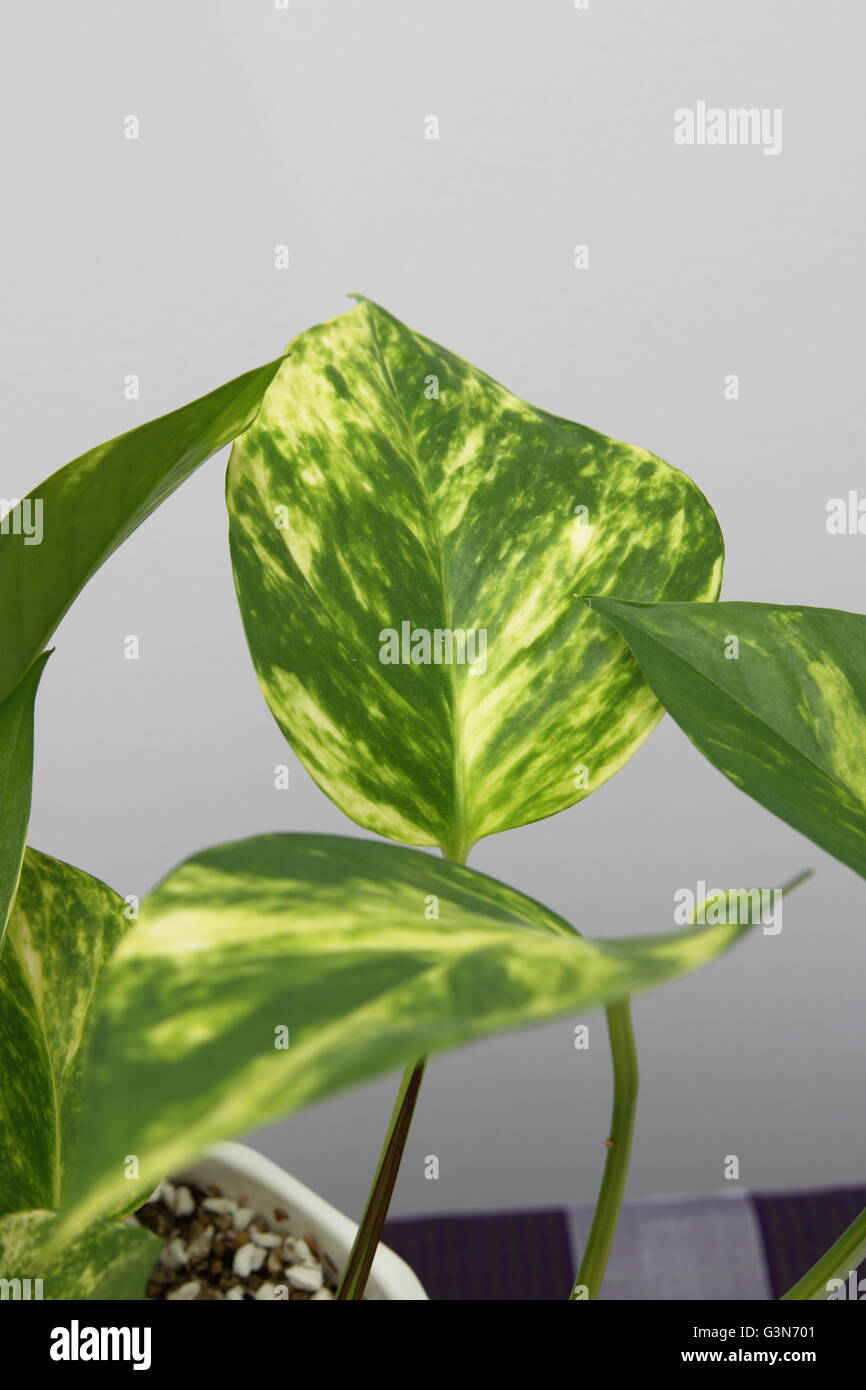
307,1277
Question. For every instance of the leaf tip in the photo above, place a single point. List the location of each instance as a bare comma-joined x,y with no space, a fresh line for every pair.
799,878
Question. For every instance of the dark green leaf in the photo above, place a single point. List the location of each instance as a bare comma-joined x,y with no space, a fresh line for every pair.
16,778
88,508
774,696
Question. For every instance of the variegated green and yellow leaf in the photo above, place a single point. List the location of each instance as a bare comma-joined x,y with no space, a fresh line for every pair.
55,540
107,1260
16,779
64,925
774,696
268,974
386,481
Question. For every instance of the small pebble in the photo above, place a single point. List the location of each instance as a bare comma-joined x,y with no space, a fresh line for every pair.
268,1240
247,1258
183,1204
309,1278
221,1205
165,1193
186,1292
174,1255
201,1244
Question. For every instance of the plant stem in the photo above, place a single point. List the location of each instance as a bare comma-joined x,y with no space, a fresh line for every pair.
360,1260
363,1251
626,1080
845,1255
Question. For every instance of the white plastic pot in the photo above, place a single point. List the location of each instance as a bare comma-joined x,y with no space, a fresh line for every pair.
238,1170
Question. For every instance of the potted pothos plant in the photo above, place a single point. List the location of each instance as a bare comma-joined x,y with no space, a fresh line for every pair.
465,614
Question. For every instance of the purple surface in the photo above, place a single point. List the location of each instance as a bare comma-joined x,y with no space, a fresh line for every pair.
497,1257
797,1227
528,1256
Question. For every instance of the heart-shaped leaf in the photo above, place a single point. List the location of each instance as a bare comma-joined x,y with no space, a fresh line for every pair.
774,696
408,538
268,974
16,780
62,929
56,538
107,1260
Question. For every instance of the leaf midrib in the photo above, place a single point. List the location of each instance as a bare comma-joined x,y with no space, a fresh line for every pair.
458,847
